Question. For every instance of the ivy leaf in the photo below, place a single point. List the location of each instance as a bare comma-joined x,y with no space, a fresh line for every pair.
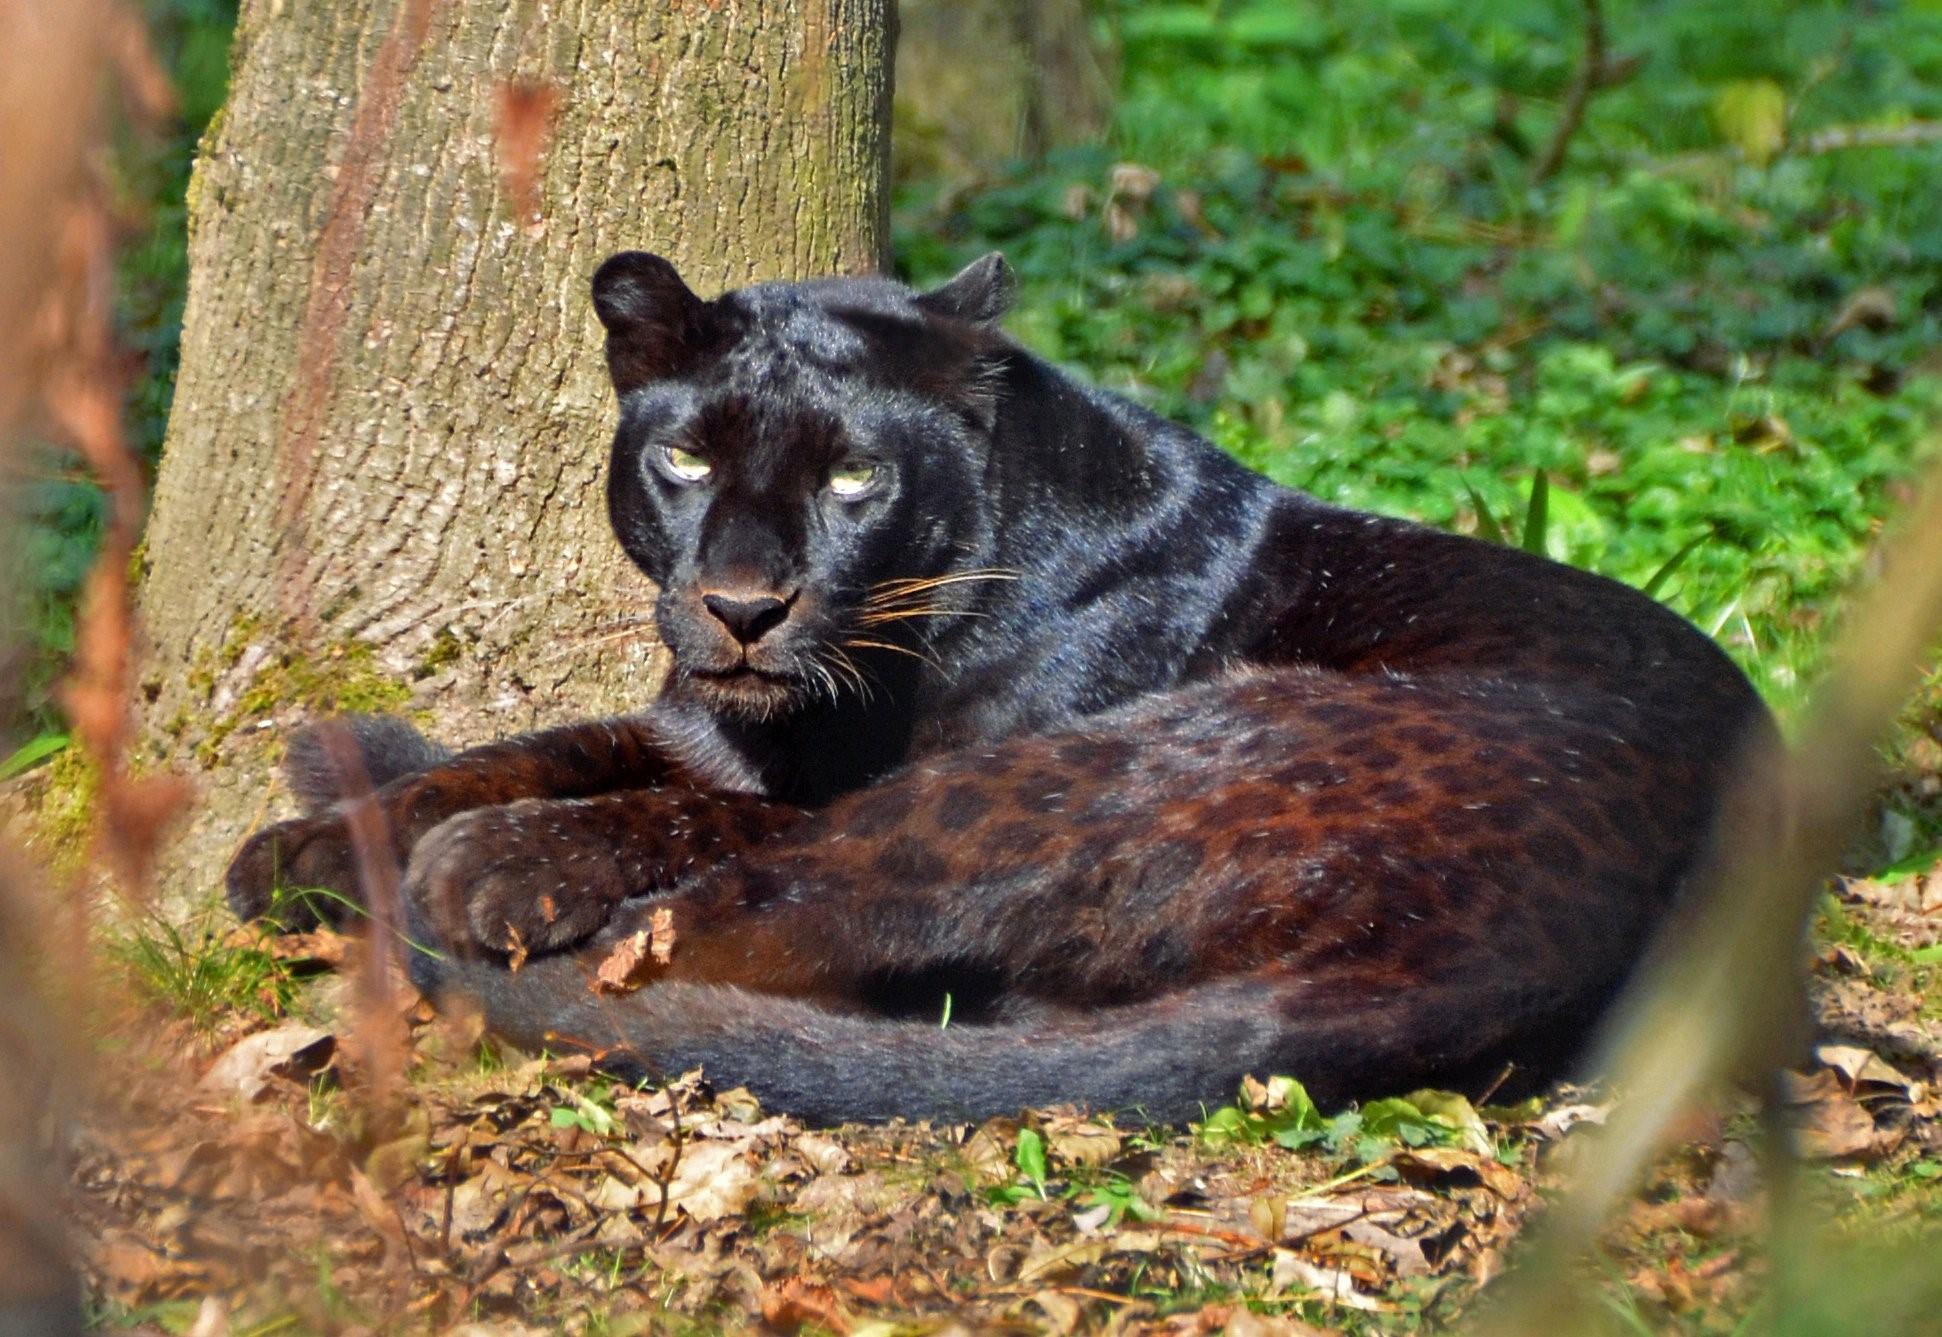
1396,1120
1455,1112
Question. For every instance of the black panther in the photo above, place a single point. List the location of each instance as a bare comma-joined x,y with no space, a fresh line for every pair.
993,689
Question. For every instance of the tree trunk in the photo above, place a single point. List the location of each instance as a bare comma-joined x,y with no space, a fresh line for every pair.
382,484
986,81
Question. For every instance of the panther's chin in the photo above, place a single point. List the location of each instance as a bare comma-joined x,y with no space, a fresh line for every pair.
748,693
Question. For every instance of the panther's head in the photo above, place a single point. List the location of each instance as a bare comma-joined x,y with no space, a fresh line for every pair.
800,468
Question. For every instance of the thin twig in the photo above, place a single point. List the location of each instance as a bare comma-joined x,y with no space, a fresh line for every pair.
1591,75
1834,139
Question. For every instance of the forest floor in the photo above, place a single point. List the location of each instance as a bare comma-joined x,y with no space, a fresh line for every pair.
1317,234
275,1181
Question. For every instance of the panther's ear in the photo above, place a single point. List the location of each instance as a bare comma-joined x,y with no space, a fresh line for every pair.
981,292
654,321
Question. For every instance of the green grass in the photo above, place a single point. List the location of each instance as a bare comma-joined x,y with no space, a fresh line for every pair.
206,977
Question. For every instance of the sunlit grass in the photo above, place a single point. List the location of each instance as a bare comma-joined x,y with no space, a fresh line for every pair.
207,975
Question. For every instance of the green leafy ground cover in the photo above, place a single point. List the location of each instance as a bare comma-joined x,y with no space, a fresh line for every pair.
1315,235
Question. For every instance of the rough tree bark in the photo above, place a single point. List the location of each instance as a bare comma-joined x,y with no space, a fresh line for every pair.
382,478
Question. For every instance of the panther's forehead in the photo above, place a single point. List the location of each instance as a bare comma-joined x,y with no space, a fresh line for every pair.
825,341
792,364
872,295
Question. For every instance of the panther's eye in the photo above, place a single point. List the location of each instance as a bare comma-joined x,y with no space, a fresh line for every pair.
686,465
853,479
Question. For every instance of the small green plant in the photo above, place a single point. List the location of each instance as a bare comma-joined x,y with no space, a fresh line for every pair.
1120,1197
1536,531
1838,926
296,906
1280,1111
204,976
591,1111
1029,1158
1537,513
1084,1186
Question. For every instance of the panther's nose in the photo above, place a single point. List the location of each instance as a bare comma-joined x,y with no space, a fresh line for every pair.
748,617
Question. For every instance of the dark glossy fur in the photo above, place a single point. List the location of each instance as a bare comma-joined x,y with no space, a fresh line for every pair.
1186,776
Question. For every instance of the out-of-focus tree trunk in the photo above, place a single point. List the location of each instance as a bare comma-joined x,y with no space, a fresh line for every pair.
382,481
983,81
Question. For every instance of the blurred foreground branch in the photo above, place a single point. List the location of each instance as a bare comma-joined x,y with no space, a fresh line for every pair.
47,50
1728,1001
62,375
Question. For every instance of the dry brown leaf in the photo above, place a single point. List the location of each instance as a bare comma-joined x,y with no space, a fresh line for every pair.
876,1291
1046,1263
1555,1123
1311,1216
317,947
1837,1130
660,935
824,1154
987,1153
1865,1073
1293,1272
625,968
796,1301
251,1066
1437,1163
1405,1255
712,1180
1081,1141
1871,308
133,1265
1831,1124
1063,1311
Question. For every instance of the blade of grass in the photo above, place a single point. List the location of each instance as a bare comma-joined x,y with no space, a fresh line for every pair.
31,754
1672,564
1537,515
1487,526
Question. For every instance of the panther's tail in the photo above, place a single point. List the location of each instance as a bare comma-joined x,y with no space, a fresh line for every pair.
1165,1060
387,749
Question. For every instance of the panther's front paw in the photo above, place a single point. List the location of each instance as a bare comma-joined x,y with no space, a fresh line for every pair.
310,858
513,879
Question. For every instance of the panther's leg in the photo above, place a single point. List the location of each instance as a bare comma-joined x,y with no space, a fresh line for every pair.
537,875
318,851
